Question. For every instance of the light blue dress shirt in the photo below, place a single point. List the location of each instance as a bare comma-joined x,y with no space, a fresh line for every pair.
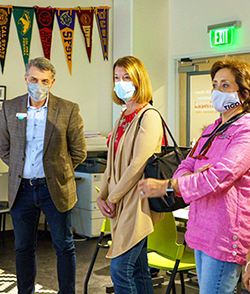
35,130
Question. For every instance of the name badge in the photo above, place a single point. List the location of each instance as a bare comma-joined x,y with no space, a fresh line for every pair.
20,115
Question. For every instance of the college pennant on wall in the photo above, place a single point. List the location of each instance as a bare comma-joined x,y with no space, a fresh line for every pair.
66,22
45,21
102,18
85,18
23,17
5,16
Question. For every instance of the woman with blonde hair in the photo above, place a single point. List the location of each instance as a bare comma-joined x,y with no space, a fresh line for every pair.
132,142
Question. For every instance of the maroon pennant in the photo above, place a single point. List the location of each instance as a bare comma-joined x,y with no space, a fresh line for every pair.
45,21
85,18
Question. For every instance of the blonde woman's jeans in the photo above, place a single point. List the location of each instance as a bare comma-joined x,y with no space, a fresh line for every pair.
130,272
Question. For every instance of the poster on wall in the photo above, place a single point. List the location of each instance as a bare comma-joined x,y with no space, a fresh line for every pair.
202,112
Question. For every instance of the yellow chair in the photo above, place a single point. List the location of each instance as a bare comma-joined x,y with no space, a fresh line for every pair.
165,253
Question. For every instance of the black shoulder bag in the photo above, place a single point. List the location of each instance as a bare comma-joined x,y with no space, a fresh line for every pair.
162,166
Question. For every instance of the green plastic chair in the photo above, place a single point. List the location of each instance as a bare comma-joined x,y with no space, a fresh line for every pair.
165,253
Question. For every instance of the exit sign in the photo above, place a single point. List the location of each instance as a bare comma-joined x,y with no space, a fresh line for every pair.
221,37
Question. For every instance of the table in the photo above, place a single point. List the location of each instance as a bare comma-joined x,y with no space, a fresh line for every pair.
181,217
181,214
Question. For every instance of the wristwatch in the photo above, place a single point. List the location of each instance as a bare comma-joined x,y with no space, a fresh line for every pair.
170,186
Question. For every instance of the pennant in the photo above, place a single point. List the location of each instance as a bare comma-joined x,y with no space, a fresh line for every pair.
5,16
23,17
102,18
45,21
85,18
66,22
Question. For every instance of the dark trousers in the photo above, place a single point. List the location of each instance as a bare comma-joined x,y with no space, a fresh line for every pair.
32,198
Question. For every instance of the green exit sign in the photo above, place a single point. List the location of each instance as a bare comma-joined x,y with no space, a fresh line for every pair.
221,37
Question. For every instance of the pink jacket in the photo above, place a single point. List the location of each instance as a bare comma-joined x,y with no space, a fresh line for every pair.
219,217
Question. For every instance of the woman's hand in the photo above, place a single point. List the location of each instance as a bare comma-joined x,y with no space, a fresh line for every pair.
152,188
199,170
107,208
204,167
246,279
246,276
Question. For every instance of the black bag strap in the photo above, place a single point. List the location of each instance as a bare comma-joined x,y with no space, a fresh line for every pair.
165,127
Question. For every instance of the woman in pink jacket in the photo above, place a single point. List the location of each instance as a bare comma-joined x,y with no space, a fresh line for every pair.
215,180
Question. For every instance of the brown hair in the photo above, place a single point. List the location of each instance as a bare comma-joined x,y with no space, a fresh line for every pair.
241,71
42,64
139,76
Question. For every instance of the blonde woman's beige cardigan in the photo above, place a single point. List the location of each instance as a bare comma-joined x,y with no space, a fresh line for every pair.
134,220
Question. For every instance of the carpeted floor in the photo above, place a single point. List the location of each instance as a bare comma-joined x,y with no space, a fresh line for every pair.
8,284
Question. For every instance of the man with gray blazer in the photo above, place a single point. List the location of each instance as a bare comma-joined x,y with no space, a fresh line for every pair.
42,141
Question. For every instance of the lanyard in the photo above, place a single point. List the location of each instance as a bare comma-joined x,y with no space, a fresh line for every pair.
217,131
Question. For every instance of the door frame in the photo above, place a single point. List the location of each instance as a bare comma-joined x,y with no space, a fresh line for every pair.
188,110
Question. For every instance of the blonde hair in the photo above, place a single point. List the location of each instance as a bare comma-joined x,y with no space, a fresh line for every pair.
139,76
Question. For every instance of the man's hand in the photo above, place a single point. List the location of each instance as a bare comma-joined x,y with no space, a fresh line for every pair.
107,208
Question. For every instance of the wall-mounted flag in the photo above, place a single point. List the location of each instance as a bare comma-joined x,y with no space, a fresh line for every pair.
102,18
85,18
5,16
24,22
66,22
45,21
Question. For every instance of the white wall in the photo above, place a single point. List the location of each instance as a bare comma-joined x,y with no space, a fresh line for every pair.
122,37
90,83
188,37
141,29
150,45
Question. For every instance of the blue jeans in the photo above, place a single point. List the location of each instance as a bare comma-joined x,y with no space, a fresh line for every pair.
25,216
216,276
130,272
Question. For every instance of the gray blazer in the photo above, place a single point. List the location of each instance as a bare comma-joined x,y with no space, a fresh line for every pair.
64,147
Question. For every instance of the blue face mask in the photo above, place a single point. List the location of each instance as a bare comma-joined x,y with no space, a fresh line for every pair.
37,91
124,90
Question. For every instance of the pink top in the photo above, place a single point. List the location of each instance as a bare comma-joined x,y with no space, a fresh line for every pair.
219,216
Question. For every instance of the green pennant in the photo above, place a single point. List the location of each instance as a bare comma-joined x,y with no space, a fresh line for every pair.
23,17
